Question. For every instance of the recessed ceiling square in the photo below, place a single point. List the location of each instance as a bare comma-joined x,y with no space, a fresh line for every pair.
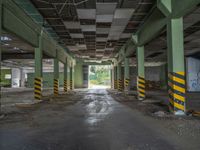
74,35
72,24
105,8
102,30
120,22
123,13
88,28
86,13
104,18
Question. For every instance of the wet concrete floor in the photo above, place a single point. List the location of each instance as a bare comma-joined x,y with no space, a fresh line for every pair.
86,120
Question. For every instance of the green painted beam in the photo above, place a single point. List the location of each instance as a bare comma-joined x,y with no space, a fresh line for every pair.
17,22
156,21
176,8
48,45
182,7
152,26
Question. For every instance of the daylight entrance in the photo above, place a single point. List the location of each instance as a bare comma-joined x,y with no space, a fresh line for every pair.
99,76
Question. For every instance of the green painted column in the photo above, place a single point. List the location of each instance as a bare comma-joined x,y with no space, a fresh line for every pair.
140,73
72,77
115,77
111,77
176,66
38,70
65,76
56,77
126,74
119,77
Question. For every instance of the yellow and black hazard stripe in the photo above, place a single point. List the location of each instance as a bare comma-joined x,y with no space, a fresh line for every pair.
71,85
141,87
56,86
120,85
176,90
65,85
38,88
115,84
126,82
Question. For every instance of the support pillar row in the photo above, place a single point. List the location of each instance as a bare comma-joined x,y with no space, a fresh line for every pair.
65,76
72,77
56,77
115,78
126,75
176,66
38,70
141,73
119,77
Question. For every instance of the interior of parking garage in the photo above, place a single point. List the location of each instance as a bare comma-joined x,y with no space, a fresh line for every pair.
99,74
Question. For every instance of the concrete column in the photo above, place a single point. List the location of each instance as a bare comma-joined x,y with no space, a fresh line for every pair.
119,77
38,70
56,77
140,73
65,76
115,77
111,77
176,66
16,74
72,77
126,75
22,77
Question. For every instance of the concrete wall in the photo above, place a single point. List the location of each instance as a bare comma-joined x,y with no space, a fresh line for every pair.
80,79
193,74
16,76
78,76
155,73
47,79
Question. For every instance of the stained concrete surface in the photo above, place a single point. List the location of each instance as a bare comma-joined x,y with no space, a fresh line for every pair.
93,119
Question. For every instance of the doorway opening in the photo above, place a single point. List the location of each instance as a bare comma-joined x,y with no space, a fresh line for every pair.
99,76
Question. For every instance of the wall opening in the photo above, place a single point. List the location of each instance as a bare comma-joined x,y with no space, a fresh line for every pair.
99,76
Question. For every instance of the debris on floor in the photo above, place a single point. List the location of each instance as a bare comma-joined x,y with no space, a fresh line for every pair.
159,113
193,113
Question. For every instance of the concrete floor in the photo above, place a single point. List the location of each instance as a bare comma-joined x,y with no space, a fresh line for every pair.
93,119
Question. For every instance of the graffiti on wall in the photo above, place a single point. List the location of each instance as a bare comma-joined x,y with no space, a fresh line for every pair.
194,81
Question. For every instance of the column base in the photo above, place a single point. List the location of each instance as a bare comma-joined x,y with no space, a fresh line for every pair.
176,84
141,88
38,88
56,86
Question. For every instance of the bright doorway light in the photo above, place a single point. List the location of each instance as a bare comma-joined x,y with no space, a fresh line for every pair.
99,76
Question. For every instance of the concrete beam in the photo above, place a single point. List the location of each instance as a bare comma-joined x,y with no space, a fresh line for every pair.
6,56
16,21
176,8
151,27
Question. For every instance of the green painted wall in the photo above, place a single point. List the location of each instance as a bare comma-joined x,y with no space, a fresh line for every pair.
47,79
78,75
3,81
